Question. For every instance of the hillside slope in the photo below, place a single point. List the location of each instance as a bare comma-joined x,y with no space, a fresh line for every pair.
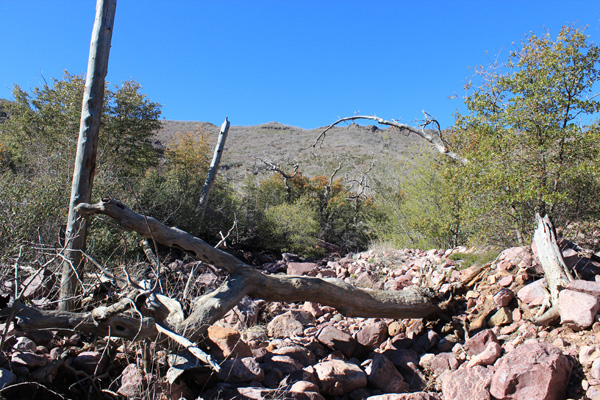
285,145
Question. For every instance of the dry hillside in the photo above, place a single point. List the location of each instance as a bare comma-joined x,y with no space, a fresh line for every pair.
288,145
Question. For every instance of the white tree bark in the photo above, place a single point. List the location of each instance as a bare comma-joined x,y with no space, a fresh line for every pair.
85,161
434,138
555,271
214,167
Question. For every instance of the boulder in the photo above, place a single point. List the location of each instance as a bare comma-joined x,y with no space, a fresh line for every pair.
532,371
372,334
337,340
241,370
290,323
479,342
302,268
338,377
132,382
383,375
468,383
228,343
577,309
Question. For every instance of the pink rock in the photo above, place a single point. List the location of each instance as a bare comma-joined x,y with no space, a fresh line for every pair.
506,281
570,257
479,342
304,386
337,377
588,287
285,364
468,383
534,293
372,334
492,352
299,353
503,297
383,375
595,370
444,362
577,309
25,344
312,308
337,340
132,382
532,371
302,268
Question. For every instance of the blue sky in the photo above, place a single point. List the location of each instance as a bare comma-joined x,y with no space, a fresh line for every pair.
302,63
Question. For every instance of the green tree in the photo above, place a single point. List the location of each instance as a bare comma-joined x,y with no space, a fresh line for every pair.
38,136
528,134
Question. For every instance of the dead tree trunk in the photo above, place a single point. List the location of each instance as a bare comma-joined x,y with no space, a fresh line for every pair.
85,160
555,271
214,166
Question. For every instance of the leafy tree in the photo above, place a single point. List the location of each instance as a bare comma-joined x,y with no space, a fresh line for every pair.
528,134
38,135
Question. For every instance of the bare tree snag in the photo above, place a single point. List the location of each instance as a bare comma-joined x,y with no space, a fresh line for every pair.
214,167
555,271
85,160
435,139
246,280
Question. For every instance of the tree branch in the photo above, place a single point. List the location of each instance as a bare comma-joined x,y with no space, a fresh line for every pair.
434,138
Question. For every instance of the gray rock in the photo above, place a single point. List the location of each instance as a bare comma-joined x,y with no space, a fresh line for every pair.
239,370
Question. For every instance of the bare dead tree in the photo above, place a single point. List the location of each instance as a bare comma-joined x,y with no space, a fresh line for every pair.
214,167
286,177
85,160
432,136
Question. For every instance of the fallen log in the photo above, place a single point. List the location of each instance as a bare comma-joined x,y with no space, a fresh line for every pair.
246,280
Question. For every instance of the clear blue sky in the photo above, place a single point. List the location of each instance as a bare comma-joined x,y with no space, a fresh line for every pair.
303,63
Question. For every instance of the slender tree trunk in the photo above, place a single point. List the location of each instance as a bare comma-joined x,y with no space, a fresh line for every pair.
85,160
212,171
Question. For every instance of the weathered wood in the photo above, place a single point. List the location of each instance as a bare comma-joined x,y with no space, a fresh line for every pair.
214,167
555,271
85,160
434,138
246,280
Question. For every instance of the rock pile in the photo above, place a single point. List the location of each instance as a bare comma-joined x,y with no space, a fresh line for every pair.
484,347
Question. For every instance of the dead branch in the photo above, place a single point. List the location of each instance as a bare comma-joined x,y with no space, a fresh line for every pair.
432,136
246,280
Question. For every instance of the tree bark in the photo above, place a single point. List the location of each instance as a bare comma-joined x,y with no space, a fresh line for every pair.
246,280
85,160
556,272
214,167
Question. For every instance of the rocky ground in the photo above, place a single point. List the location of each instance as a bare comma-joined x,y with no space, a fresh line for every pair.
482,347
